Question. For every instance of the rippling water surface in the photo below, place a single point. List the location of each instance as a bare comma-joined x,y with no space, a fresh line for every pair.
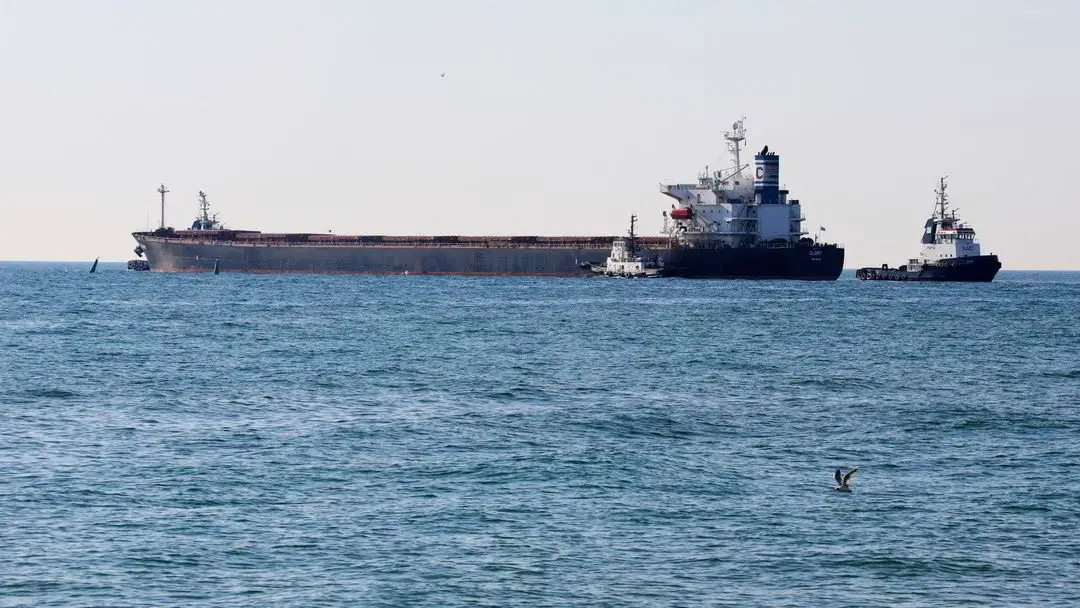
441,441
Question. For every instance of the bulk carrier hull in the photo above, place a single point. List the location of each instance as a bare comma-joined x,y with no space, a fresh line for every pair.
244,251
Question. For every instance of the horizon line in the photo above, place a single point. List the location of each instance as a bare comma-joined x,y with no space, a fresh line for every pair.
101,261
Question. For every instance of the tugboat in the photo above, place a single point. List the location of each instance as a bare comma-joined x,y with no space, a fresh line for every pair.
950,252
625,262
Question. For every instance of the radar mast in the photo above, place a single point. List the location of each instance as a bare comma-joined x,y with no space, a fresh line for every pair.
205,221
942,200
735,137
204,207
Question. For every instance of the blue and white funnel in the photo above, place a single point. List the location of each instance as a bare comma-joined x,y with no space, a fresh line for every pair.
767,177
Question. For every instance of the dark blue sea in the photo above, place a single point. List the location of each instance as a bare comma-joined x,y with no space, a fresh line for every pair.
256,440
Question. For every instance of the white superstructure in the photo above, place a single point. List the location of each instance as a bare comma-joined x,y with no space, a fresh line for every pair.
623,263
730,208
945,236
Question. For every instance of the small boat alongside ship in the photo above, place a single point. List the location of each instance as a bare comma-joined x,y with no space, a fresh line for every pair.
950,252
625,262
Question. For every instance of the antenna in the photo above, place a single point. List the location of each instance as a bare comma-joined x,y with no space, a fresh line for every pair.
162,191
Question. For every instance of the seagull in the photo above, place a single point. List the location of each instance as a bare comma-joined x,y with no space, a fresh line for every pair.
844,480
443,75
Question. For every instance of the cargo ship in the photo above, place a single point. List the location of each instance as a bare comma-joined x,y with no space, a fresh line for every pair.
950,252
724,225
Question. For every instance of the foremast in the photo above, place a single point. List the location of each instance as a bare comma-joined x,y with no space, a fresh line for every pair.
162,190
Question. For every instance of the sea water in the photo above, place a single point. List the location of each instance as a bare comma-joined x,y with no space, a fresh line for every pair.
258,440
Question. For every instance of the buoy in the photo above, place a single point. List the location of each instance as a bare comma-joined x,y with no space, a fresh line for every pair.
94,267
216,266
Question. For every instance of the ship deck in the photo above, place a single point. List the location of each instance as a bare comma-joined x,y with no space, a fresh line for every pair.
244,238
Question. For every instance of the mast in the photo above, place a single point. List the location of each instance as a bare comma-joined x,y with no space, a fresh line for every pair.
204,208
735,137
942,200
162,191
633,220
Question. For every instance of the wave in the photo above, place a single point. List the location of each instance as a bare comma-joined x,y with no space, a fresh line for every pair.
1071,374
51,393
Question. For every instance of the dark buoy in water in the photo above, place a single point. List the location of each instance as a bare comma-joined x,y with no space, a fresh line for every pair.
94,267
216,266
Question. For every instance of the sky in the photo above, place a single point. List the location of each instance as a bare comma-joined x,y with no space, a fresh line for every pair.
555,117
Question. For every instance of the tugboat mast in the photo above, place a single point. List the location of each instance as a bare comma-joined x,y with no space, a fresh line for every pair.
942,199
633,220
162,191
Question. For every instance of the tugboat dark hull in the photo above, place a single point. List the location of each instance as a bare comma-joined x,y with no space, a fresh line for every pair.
972,269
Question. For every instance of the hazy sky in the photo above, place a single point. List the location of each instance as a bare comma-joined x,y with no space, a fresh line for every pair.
555,117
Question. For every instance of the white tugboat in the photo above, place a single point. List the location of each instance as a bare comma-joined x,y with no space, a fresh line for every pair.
950,252
624,260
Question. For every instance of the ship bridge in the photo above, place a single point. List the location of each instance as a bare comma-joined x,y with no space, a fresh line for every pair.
730,208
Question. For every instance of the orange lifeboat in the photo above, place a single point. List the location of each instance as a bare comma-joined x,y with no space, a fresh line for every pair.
682,213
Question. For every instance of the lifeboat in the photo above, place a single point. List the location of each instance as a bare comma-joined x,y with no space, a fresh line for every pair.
682,213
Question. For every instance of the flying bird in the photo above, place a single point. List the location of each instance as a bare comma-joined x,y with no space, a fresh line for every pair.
844,481
443,75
